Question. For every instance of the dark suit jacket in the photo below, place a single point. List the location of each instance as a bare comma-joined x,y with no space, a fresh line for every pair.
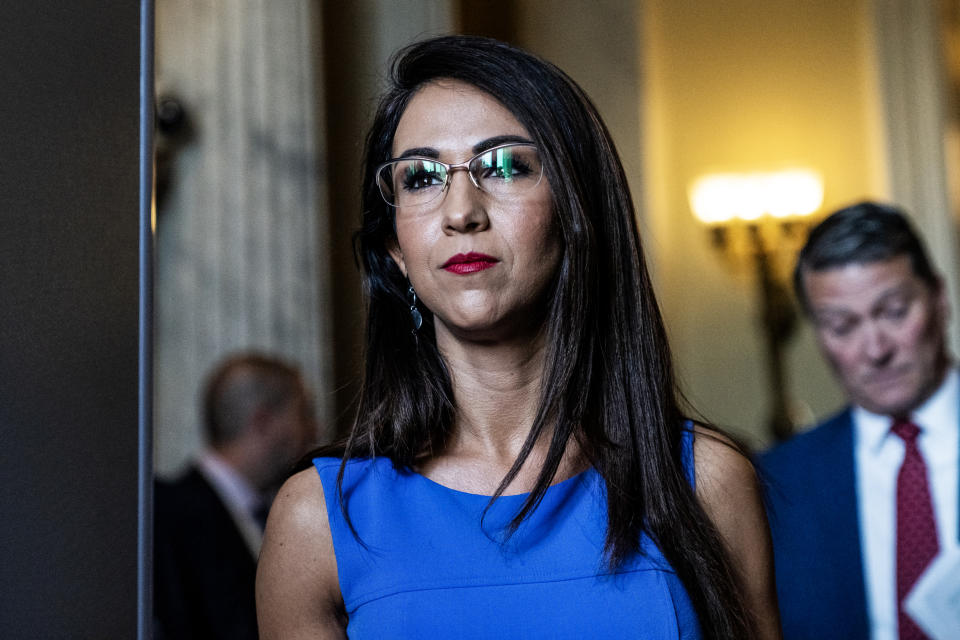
204,572
814,520
810,484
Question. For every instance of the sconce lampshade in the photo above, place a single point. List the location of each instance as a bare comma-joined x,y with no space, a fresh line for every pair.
720,198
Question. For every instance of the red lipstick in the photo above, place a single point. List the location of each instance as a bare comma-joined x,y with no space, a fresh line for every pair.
464,263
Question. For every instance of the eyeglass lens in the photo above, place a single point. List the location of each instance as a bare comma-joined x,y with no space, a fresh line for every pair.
502,172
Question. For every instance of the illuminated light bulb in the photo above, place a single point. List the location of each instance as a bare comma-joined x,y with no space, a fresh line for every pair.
721,197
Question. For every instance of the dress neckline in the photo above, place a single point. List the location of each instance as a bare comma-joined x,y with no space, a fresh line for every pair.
509,496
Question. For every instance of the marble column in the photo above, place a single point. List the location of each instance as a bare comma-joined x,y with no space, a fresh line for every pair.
242,239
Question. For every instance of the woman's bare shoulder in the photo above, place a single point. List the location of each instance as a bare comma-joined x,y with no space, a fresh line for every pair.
298,592
300,505
723,470
728,490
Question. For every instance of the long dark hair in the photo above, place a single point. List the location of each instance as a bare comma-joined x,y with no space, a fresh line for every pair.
608,380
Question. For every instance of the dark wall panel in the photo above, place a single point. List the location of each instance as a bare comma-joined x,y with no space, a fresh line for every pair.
69,76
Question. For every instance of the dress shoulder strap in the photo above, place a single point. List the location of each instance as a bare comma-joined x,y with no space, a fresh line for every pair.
686,452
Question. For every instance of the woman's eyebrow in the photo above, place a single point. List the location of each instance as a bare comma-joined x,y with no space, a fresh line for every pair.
496,141
421,152
480,147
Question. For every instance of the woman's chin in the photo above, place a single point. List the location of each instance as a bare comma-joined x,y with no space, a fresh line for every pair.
487,329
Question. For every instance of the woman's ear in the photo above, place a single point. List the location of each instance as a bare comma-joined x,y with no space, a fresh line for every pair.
394,250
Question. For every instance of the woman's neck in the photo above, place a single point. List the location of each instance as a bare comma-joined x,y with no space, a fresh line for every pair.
497,390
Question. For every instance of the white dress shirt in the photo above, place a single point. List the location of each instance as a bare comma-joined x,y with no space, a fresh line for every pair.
878,454
240,499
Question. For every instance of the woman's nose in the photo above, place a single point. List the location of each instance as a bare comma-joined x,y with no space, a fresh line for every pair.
463,206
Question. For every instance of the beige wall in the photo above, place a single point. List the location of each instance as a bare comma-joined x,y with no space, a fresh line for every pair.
749,85
600,50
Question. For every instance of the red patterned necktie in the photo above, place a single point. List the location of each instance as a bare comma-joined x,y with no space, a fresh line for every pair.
916,526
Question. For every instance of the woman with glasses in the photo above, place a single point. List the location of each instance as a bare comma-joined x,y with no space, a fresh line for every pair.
520,465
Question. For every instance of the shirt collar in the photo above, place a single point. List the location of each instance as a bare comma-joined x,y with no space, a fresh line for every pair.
231,486
936,416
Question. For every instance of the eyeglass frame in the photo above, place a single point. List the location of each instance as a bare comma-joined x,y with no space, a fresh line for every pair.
450,170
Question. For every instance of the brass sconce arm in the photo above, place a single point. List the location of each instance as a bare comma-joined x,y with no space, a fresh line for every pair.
760,219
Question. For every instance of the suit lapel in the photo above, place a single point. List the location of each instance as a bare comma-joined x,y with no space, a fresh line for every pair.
843,510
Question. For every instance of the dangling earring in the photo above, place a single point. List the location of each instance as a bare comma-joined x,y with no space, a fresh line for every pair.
414,312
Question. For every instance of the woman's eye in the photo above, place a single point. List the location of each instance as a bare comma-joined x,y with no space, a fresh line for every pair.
421,177
513,170
503,168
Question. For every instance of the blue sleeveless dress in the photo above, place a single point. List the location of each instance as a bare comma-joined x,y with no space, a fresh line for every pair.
429,564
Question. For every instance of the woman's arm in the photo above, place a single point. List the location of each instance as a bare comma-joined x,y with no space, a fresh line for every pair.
728,491
298,595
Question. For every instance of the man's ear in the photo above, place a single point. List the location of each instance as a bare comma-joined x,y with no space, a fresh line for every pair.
394,250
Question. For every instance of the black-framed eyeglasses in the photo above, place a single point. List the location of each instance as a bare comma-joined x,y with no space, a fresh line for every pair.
505,171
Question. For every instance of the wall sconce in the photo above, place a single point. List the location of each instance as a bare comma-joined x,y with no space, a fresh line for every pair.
763,218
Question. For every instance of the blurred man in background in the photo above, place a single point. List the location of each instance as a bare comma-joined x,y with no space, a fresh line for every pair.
209,523
864,507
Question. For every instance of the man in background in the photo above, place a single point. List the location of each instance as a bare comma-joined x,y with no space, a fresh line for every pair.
209,522
861,505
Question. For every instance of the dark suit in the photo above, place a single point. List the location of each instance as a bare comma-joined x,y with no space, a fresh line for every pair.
814,521
204,572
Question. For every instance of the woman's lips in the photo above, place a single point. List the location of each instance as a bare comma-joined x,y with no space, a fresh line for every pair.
464,263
